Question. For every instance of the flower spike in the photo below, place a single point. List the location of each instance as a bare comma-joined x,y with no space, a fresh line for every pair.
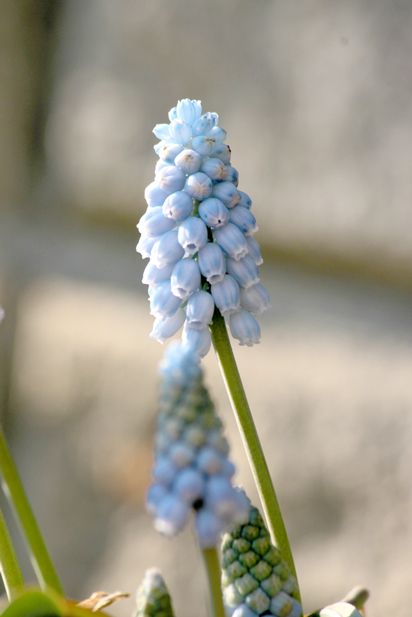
197,214
192,471
152,597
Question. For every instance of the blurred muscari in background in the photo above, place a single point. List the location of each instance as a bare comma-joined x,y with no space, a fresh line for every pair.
316,103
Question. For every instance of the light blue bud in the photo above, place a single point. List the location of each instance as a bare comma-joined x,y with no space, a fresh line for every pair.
209,461
153,223
244,327
217,441
226,192
153,276
159,165
255,299
192,235
254,250
178,206
189,161
244,611
232,241
145,246
228,468
180,132
171,515
221,497
163,303
198,185
166,151
214,168
212,263
172,115
199,341
217,133
167,249
185,278
226,295
181,454
204,145
166,327
231,175
189,485
163,472
170,179
162,131
244,271
205,123
222,152
154,496
199,310
208,528
244,219
179,365
213,212
154,195
189,110
245,200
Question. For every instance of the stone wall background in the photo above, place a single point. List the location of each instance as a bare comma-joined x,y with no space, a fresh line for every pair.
315,97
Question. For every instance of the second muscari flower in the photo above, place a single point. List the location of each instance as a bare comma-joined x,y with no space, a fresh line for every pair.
196,212
192,471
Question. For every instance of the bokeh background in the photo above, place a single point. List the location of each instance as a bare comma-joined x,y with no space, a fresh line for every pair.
316,98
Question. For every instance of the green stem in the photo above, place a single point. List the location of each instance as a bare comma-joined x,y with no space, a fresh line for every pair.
13,488
9,566
250,439
212,564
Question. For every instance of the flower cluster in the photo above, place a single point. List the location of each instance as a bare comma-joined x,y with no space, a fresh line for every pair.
152,597
256,581
192,470
198,233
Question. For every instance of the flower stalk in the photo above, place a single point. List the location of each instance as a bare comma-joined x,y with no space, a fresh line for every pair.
9,566
13,488
212,564
250,439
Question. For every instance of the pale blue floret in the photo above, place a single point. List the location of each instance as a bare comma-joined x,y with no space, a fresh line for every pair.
154,195
181,454
189,161
192,235
226,192
154,223
166,327
244,327
256,299
212,263
154,496
167,250
163,471
226,295
170,179
193,199
244,271
179,366
163,303
214,168
153,276
145,246
244,219
199,310
178,206
208,528
198,185
213,212
171,515
231,240
198,340
189,485
209,460
254,250
185,278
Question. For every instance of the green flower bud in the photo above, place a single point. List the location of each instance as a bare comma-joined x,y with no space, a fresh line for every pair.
152,597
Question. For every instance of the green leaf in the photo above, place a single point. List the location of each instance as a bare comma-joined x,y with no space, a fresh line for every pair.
33,603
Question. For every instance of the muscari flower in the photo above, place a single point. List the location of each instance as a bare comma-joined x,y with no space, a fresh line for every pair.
192,471
152,597
255,579
198,234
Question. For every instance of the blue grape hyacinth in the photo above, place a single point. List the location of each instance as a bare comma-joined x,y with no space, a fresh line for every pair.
197,232
192,471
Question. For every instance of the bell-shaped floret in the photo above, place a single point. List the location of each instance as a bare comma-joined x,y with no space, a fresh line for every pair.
226,295
244,271
189,161
244,219
255,299
163,303
212,263
192,235
185,278
198,185
226,192
199,310
231,240
177,206
244,327
213,212
167,250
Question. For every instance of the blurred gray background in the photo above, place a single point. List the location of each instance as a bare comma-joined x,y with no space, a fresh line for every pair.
316,98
